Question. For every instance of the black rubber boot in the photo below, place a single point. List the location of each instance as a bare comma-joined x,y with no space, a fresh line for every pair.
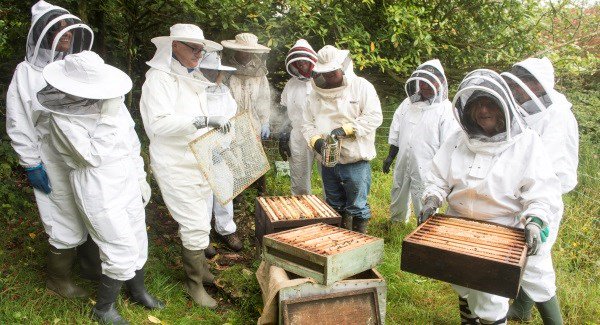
466,316
104,312
59,279
360,225
194,263
550,311
139,294
520,309
346,221
210,252
90,265
232,241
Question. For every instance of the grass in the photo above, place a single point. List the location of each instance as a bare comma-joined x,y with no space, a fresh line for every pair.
411,299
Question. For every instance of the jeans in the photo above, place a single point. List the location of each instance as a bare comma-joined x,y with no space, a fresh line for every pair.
346,188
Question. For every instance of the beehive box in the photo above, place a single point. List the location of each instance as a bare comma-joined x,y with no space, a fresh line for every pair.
279,213
474,254
360,299
323,252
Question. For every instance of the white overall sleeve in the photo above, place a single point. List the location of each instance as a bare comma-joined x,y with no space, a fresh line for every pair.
135,145
394,135
159,96
19,125
539,188
309,128
371,117
437,180
263,109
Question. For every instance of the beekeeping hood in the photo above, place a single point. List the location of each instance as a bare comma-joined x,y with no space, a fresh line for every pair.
432,74
248,43
486,83
301,51
77,83
45,23
532,84
163,57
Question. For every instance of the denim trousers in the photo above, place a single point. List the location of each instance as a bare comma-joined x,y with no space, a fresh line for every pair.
346,188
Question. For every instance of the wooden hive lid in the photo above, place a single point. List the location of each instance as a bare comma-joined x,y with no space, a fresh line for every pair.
295,207
323,239
471,237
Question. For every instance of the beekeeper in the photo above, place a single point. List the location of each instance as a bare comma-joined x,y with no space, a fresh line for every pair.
419,127
347,107
495,170
54,33
548,113
299,64
92,130
220,103
249,84
174,111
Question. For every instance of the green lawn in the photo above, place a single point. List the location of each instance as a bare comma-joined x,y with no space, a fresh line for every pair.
411,299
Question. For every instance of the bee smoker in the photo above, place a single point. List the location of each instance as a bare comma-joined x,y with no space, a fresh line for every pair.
330,151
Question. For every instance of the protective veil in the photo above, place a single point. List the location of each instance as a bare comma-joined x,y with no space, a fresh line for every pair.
103,155
499,178
294,97
249,84
220,103
549,114
354,104
171,98
419,127
27,122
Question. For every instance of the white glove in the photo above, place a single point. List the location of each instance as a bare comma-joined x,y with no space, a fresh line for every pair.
112,107
219,122
146,191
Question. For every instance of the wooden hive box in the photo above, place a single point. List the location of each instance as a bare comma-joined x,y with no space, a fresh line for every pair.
360,299
323,252
473,254
279,213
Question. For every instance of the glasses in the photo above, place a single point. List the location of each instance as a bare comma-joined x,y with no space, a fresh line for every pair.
195,50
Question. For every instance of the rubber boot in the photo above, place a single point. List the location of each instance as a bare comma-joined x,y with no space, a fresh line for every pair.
232,241
210,251
520,309
346,221
360,225
104,312
90,265
550,311
139,294
194,264
59,280
466,316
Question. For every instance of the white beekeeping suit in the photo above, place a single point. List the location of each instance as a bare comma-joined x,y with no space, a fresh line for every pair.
503,177
249,84
295,98
174,110
548,113
92,130
54,33
420,125
27,122
220,103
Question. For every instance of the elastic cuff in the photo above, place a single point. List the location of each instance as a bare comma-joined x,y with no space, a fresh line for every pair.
313,140
348,128
536,220
38,166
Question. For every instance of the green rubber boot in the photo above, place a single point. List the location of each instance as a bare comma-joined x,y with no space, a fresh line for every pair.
550,311
520,309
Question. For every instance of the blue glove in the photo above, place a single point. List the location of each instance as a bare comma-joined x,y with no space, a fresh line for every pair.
38,178
264,131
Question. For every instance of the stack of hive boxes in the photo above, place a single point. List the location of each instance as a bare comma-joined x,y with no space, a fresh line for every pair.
345,288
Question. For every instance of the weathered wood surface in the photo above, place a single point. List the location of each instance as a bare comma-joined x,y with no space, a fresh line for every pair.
279,213
323,252
474,254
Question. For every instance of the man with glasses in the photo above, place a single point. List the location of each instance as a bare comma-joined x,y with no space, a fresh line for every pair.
174,111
